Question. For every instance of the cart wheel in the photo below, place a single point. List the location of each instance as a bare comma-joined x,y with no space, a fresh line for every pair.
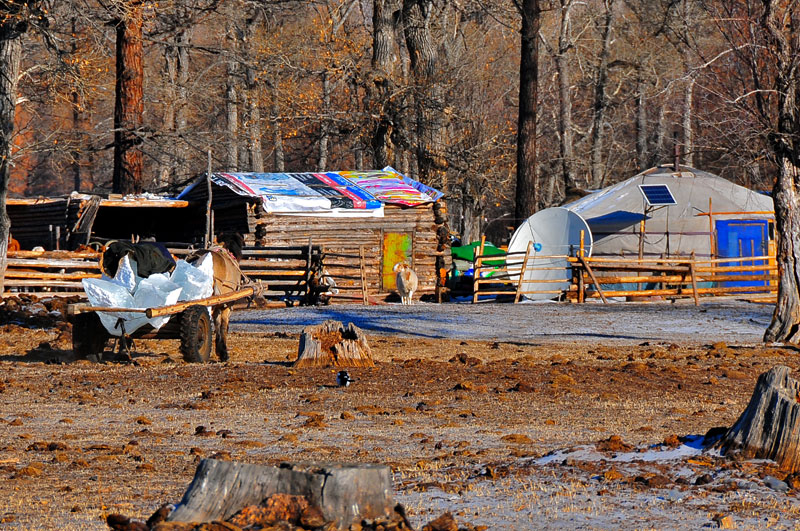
196,334
88,336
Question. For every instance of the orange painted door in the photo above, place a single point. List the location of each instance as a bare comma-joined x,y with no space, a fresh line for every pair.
397,247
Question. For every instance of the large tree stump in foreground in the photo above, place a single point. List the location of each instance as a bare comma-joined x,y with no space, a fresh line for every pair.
343,493
331,344
769,428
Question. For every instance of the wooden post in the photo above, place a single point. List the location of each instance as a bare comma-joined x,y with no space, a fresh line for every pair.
594,279
694,284
209,237
694,280
581,284
476,270
308,270
711,253
641,239
362,266
522,272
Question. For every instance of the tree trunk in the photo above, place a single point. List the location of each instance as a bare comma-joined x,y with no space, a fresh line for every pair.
527,194
600,99
167,156
688,92
565,145
277,130
324,136
659,155
76,119
428,99
642,159
129,103
231,101
332,345
471,212
343,493
10,56
181,165
380,86
769,428
785,143
785,325
176,67
254,129
688,133
384,14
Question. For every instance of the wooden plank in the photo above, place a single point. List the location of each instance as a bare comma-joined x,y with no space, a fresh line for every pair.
365,298
166,310
43,294
38,263
70,255
694,285
209,301
700,291
521,277
582,260
45,275
17,283
678,269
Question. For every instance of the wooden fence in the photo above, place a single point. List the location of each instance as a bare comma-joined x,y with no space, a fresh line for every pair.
348,267
50,273
291,273
579,278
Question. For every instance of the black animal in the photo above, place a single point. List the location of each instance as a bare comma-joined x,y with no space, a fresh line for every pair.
233,242
150,257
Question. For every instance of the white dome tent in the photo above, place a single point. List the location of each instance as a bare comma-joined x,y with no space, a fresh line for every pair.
711,217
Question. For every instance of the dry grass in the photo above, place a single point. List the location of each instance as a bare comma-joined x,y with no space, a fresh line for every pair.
442,413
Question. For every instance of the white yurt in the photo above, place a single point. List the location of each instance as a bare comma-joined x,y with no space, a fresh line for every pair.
669,212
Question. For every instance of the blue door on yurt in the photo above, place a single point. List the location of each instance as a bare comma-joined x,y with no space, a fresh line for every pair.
743,238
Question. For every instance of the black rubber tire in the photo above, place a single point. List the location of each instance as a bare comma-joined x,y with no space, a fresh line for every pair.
89,336
196,334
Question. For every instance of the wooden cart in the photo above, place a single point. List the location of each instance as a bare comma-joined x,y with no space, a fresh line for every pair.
190,322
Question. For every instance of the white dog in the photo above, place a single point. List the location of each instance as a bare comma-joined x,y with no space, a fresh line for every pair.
406,281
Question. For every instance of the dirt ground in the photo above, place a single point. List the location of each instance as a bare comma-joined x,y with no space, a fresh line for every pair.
464,425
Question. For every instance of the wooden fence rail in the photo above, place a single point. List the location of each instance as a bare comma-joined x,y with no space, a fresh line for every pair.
50,273
602,277
288,272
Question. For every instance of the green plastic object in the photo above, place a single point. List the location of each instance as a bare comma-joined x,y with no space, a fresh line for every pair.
468,252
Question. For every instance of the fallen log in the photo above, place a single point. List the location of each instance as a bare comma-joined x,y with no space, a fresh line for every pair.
769,428
344,493
332,345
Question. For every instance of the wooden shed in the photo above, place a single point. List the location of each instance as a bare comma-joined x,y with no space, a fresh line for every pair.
68,222
360,248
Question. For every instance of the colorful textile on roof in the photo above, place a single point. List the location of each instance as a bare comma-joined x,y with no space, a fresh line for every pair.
299,192
391,186
322,193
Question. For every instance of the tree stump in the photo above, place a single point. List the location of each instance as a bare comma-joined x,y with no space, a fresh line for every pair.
332,345
769,428
344,493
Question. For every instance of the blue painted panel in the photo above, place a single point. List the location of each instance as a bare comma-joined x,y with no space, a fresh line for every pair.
743,238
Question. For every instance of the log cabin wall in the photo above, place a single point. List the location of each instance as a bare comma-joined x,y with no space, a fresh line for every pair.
42,221
425,226
422,227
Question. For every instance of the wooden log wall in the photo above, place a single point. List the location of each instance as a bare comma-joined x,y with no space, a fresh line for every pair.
38,222
50,273
344,239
